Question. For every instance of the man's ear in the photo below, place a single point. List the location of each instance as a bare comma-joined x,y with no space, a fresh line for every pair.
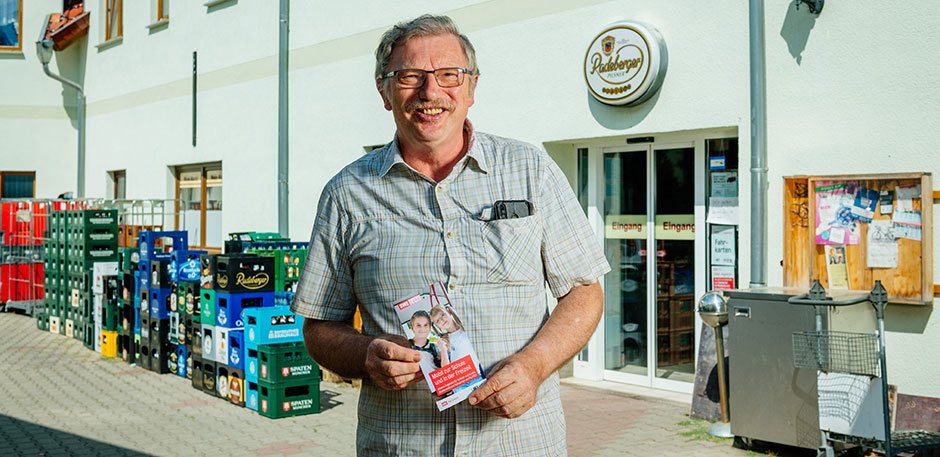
473,85
379,83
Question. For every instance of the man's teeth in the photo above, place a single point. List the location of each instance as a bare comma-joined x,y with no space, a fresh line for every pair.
432,111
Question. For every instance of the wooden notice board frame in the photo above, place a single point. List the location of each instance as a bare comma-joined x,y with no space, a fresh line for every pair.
910,283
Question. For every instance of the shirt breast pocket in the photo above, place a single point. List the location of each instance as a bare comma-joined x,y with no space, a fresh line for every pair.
513,250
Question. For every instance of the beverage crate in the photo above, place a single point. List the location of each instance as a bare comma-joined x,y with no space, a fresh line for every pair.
288,263
283,298
293,398
207,264
160,273
129,259
236,349
184,266
251,395
285,362
221,380
208,343
276,324
196,372
208,377
91,218
188,294
236,386
159,303
220,353
109,343
148,243
230,308
236,273
207,306
251,364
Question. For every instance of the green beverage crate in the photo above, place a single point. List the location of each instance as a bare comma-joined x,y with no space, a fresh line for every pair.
42,322
110,317
288,263
92,217
288,399
285,362
257,236
207,306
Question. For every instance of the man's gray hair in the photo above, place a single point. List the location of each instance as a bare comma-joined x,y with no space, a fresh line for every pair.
424,25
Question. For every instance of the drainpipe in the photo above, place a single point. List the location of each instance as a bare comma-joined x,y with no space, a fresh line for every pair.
44,51
758,146
282,120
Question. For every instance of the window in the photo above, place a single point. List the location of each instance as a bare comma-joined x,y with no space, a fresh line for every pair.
113,24
199,204
117,184
162,10
11,25
17,184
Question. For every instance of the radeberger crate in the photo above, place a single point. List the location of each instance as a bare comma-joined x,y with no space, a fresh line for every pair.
244,273
285,362
288,399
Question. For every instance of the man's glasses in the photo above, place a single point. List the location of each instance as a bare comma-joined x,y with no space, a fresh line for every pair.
410,78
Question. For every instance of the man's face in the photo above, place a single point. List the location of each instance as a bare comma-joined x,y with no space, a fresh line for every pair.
421,326
429,115
444,321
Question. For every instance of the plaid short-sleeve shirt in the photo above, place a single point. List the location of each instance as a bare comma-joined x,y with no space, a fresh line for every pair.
384,232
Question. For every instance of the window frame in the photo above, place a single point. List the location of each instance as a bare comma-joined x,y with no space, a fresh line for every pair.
203,169
162,10
109,18
118,177
18,173
19,31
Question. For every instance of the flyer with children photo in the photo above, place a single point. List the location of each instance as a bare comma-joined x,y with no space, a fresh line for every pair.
448,361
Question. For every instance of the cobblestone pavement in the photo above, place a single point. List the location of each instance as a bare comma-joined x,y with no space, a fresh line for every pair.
59,398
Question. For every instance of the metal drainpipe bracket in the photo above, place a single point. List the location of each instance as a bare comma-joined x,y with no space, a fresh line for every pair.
815,6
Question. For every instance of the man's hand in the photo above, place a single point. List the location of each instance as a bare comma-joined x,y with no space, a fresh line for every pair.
511,388
391,363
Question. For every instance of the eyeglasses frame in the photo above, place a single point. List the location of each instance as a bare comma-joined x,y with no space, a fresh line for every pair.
462,71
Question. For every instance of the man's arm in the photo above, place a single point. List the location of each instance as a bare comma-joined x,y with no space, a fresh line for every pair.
387,359
513,383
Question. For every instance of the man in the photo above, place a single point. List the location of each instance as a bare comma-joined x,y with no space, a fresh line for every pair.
421,210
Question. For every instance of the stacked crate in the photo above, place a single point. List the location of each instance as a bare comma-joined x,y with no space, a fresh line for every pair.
128,277
288,381
155,290
265,326
242,281
91,242
184,270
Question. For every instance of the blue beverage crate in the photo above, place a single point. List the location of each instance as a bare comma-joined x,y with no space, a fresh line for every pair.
251,393
230,307
181,360
160,303
236,349
251,365
184,266
272,325
283,298
145,241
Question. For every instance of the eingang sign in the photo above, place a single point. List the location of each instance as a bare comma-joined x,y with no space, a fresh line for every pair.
625,64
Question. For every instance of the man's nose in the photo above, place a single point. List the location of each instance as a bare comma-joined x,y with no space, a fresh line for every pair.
430,89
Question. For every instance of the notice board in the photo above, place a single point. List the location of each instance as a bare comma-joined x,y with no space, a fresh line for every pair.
835,233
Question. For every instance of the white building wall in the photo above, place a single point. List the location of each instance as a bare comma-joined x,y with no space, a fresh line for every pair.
849,91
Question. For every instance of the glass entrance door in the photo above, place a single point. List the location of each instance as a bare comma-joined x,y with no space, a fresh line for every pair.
648,323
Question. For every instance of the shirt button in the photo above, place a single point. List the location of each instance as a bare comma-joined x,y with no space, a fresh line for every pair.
452,286
450,235
440,188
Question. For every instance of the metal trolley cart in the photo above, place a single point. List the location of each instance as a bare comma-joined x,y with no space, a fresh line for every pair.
850,401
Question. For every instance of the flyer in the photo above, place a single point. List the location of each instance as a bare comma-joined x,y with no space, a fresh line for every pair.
834,221
448,360
882,250
863,208
836,267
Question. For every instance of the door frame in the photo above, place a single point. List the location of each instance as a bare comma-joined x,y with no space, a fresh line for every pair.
593,368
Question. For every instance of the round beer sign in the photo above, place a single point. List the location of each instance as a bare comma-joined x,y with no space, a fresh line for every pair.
625,64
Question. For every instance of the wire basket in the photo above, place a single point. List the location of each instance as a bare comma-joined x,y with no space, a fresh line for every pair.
837,352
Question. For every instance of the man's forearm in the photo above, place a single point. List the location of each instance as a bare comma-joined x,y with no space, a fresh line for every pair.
567,330
337,346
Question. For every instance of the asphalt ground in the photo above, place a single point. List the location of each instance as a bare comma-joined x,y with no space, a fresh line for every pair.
58,398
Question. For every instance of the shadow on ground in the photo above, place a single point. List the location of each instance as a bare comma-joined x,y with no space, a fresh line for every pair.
327,401
21,438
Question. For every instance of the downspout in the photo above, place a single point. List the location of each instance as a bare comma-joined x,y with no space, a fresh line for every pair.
282,122
758,146
47,44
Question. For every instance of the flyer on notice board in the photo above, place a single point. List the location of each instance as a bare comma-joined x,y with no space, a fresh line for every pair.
448,360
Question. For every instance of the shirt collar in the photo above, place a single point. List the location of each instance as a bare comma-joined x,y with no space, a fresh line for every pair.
392,154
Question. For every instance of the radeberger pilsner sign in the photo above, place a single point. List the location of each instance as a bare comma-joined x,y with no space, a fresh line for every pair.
626,63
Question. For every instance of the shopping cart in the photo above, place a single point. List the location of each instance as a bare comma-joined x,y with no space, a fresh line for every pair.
849,398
